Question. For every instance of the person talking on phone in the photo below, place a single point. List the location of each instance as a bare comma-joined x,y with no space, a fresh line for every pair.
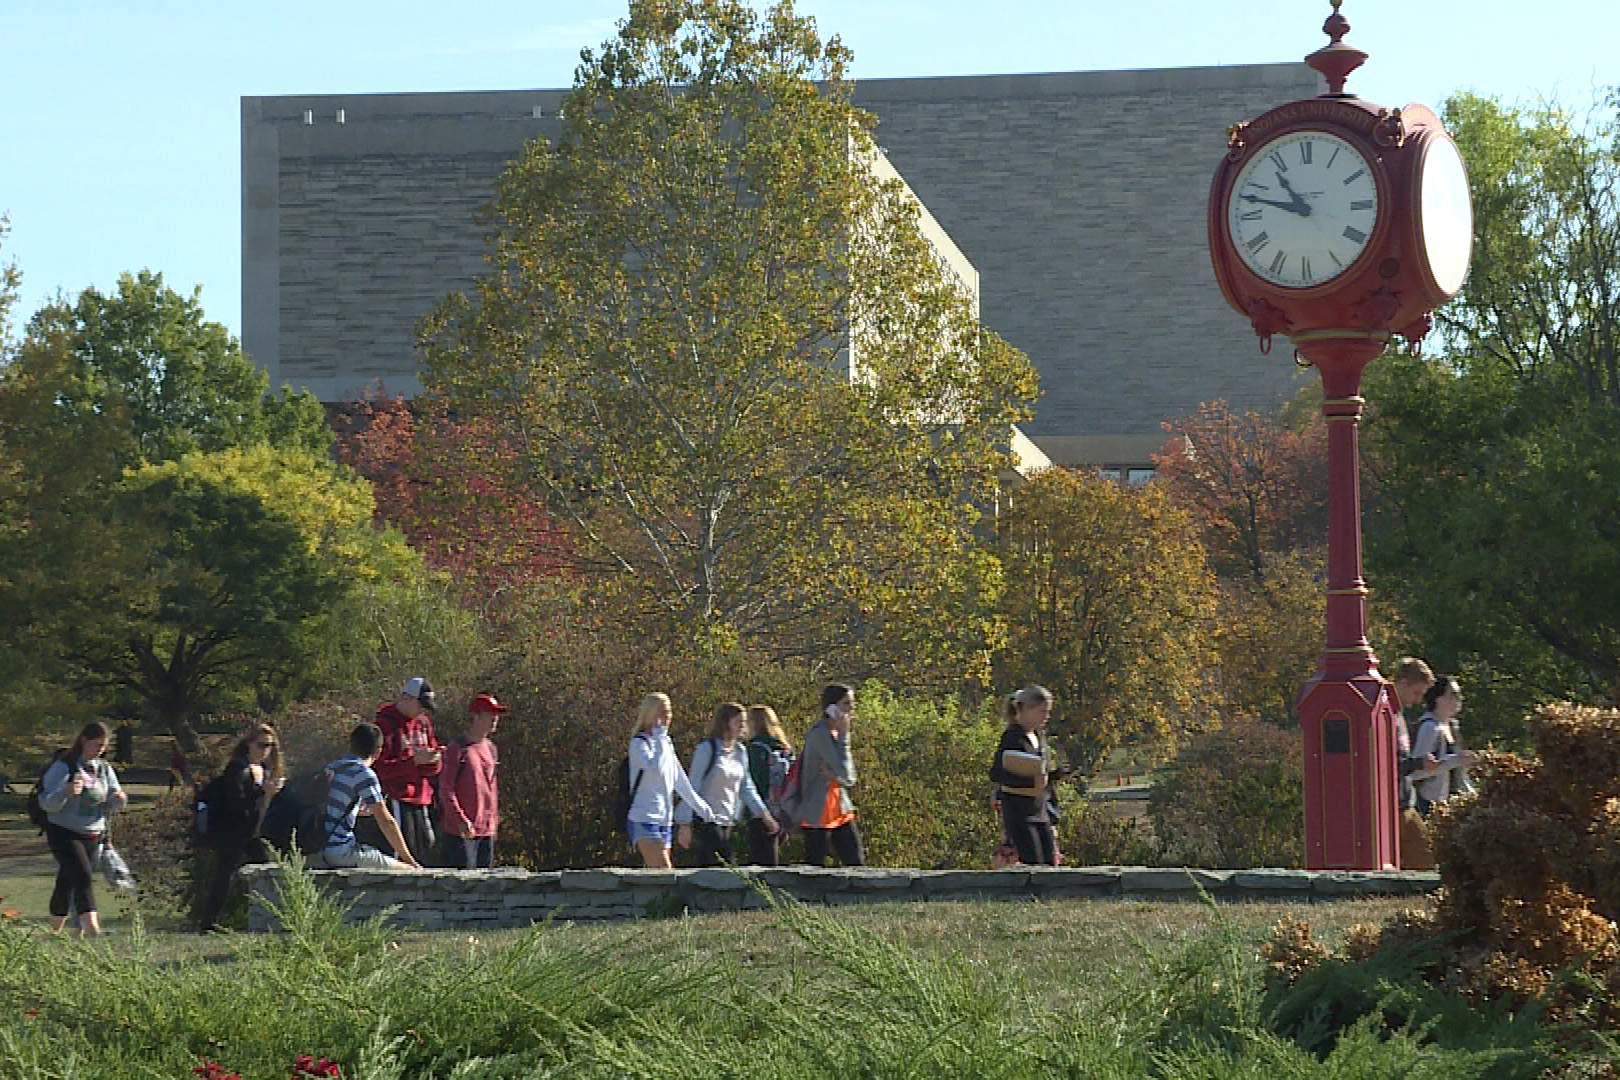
826,774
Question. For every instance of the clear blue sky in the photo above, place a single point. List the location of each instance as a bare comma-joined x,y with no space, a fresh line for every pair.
119,135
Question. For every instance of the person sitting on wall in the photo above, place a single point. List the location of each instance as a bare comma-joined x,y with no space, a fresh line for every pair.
352,793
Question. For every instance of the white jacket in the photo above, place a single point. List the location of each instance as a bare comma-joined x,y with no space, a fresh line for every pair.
656,777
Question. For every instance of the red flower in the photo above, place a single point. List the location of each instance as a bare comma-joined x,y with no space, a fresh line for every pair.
305,1065
213,1070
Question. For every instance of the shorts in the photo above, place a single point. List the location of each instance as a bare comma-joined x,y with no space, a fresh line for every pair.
642,830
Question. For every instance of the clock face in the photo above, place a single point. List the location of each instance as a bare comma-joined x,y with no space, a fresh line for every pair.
1303,208
1445,215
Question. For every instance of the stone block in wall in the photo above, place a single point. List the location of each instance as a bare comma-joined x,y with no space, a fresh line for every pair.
964,883
593,880
865,878
1147,879
710,878
1272,881
1364,883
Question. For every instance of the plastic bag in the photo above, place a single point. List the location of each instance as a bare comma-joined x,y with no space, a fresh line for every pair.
114,868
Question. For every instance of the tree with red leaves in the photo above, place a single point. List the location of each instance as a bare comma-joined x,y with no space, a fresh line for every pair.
1255,487
455,488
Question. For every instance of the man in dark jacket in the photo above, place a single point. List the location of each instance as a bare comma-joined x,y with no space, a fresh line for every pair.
409,760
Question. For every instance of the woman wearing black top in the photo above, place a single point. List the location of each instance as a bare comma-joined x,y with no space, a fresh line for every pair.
250,780
1021,771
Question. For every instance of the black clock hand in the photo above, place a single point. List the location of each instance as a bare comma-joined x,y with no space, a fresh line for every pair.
1295,207
1298,205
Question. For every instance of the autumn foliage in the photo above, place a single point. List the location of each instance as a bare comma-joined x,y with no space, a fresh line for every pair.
1531,869
1254,487
455,489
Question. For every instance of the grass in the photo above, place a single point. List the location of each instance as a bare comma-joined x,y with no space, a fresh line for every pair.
1013,990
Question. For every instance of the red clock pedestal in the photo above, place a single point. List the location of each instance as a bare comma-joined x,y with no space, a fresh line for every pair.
1347,711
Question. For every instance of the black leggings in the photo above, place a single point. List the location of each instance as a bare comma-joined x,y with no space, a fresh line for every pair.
1026,826
845,840
711,844
75,858
231,853
764,848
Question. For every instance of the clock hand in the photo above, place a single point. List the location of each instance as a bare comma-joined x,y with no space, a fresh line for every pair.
1298,205
1295,207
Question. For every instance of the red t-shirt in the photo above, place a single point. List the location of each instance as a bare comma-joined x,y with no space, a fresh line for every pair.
467,788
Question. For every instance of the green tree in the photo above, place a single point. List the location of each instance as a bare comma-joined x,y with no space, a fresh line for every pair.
229,564
1110,605
1498,453
730,359
10,285
185,381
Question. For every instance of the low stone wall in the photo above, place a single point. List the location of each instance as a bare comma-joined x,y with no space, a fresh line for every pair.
454,899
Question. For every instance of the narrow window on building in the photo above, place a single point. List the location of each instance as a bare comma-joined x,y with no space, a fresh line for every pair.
309,116
340,117
1138,477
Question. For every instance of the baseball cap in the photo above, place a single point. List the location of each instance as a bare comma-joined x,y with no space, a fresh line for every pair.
420,689
487,703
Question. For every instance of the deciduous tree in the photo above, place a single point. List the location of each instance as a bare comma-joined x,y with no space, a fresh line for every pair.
1498,450
733,364
1109,605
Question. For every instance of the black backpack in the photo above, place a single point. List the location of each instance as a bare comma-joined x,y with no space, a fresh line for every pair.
37,815
626,794
208,808
296,818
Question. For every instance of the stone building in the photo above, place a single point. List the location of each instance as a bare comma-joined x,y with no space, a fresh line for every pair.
1078,196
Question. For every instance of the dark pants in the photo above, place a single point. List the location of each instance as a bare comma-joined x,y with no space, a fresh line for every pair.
1024,821
230,853
845,840
711,844
75,859
414,825
466,852
764,848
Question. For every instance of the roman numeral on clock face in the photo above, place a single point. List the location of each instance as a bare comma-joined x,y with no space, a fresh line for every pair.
1305,152
1249,215
1354,234
1278,261
1276,159
1361,204
1258,242
1305,268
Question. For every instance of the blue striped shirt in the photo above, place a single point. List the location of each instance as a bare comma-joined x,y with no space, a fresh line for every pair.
353,786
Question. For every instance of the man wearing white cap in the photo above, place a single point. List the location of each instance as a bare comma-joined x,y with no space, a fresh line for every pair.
409,759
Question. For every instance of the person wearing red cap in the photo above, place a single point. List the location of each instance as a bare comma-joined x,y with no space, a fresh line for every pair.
410,758
469,807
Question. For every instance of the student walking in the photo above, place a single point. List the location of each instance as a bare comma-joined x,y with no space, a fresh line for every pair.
720,774
768,746
77,792
1020,768
469,804
1443,772
825,776
656,777
251,778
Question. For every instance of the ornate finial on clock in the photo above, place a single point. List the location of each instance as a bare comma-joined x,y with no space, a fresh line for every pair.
1336,60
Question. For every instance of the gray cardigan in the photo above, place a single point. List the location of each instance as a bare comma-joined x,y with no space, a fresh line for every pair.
825,759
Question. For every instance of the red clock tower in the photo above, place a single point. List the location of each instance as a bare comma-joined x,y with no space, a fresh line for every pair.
1340,225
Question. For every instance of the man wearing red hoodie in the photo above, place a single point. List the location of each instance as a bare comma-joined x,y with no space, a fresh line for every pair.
409,759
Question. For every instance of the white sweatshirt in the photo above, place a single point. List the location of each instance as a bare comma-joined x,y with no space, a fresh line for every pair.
656,777
725,782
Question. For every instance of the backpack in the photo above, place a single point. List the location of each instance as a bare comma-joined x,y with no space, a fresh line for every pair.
626,794
207,807
784,798
296,818
37,815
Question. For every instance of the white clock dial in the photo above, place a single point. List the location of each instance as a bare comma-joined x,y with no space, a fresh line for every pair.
1445,215
1303,208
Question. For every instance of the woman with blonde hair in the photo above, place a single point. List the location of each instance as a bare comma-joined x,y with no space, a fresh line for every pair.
768,749
656,777
720,774
236,806
1020,769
